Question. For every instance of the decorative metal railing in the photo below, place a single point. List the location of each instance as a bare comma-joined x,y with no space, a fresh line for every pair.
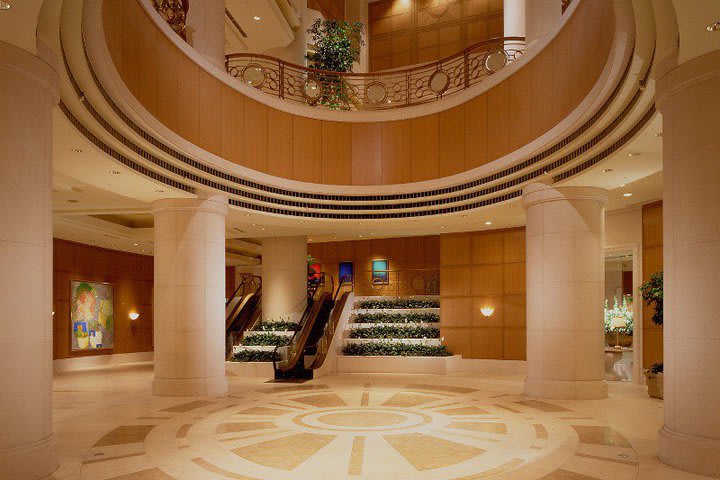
382,90
175,14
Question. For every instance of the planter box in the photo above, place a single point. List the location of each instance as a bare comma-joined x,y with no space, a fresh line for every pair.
655,383
250,369
392,364
408,341
622,340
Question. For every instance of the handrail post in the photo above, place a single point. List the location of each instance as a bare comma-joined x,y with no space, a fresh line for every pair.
466,69
281,80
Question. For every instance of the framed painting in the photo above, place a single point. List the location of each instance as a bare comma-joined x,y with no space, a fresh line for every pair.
92,320
380,272
345,271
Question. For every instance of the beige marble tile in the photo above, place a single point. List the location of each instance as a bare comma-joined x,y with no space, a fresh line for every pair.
543,406
324,400
236,427
355,466
408,400
149,474
125,434
186,407
485,427
600,435
426,452
285,453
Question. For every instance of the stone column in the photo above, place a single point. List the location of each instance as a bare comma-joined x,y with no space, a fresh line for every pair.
189,302
284,274
542,17
514,18
28,94
205,29
688,97
565,290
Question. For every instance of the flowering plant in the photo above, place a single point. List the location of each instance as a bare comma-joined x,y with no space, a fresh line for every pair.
619,310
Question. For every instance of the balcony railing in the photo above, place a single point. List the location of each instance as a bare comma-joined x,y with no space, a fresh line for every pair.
382,90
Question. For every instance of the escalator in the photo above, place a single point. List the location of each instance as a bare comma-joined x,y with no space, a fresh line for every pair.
310,345
242,310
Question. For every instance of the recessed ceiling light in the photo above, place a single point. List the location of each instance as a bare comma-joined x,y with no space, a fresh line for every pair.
627,194
114,172
4,5
77,150
442,228
159,191
488,222
607,170
359,236
713,27
136,244
256,18
73,201
658,134
634,154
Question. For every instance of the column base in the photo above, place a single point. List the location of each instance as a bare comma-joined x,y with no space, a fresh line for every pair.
689,453
30,461
566,389
189,387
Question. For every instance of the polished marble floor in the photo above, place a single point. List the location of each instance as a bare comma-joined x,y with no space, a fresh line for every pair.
420,427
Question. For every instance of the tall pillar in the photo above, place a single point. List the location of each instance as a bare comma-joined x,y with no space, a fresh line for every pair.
284,274
189,307
28,94
542,17
688,97
514,18
295,51
565,290
205,29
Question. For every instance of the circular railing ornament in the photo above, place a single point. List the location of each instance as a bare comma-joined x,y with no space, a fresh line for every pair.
439,81
494,61
312,90
375,93
253,75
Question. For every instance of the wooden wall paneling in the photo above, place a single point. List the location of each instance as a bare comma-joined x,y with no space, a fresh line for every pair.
498,124
425,148
366,154
334,9
212,119
455,250
307,153
131,276
396,151
514,245
457,339
279,143
520,122
336,152
233,127
476,131
452,141
487,248
255,137
652,231
185,98
542,86
168,84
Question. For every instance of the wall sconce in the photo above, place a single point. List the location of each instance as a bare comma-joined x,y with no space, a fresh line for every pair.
487,311
134,315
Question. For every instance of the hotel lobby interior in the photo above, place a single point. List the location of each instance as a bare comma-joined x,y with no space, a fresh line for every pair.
359,239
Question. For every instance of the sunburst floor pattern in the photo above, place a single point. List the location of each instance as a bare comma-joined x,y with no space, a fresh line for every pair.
321,431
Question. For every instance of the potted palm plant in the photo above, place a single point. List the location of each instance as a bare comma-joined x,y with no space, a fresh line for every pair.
652,294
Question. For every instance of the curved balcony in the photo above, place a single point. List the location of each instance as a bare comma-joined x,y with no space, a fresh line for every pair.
398,88
174,118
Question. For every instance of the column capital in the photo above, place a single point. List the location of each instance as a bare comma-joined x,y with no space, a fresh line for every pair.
13,58
685,75
536,193
217,204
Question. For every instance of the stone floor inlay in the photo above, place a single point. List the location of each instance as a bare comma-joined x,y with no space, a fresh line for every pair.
363,431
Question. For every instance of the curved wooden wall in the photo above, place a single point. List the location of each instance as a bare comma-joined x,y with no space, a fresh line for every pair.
219,119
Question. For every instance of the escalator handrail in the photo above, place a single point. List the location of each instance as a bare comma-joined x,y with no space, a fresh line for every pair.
297,343
242,284
323,344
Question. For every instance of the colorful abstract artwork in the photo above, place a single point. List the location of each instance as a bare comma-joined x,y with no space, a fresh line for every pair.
91,315
380,272
346,271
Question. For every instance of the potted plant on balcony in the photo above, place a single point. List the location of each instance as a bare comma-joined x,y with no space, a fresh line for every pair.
336,47
652,293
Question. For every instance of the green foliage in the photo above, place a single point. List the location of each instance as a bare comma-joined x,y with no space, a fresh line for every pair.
276,326
395,303
652,293
384,317
395,349
656,368
265,339
337,46
395,331
623,311
255,356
